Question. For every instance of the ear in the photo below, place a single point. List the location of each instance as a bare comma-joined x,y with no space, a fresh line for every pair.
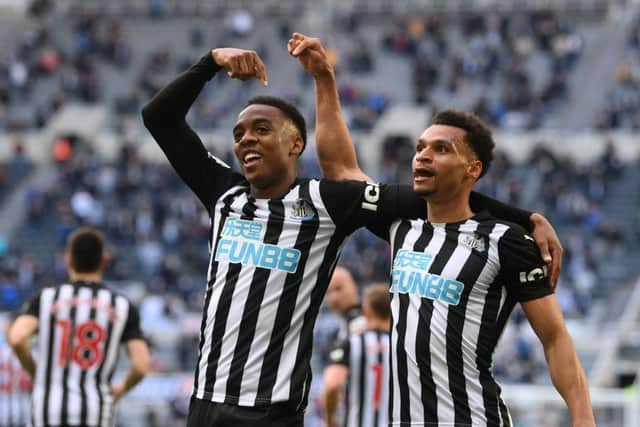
474,169
106,257
67,262
296,147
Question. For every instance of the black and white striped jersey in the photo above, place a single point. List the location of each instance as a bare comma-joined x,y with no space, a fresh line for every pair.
453,288
15,390
270,260
80,328
367,389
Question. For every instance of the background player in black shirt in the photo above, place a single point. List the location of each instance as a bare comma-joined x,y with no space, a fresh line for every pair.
456,275
80,326
359,367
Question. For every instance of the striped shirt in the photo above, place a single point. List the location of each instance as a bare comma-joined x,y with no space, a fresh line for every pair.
270,260
453,288
80,328
366,355
15,390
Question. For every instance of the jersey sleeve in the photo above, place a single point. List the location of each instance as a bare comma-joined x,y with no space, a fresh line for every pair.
497,209
32,306
522,269
355,204
165,118
339,355
132,328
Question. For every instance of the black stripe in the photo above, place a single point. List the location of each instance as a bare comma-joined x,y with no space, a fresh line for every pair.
287,305
253,304
362,365
504,413
112,306
390,382
83,374
50,335
222,311
68,359
456,316
401,330
487,337
423,337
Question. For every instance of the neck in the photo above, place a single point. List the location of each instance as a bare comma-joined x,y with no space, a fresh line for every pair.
276,190
85,277
450,210
377,323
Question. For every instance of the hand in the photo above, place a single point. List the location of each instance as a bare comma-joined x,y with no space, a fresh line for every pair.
241,64
549,244
117,390
311,54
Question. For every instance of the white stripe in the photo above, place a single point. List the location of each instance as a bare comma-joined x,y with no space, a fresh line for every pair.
473,320
353,409
218,286
218,160
326,229
370,377
268,310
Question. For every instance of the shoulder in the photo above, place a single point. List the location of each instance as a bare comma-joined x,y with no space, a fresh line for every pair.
500,229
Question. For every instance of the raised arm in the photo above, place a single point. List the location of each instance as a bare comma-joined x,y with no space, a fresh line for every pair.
566,372
165,115
336,153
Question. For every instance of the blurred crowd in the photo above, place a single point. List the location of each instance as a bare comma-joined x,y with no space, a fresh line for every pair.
513,69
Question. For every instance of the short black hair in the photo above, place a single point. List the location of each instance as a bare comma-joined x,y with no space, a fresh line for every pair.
478,135
85,246
288,110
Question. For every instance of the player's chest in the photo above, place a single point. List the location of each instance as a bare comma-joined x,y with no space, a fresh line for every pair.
441,262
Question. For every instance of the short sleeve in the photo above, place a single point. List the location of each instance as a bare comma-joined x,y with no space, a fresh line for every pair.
522,270
132,327
32,306
355,204
340,353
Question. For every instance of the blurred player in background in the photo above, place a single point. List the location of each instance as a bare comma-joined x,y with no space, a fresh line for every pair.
275,239
80,326
360,367
456,275
342,297
15,385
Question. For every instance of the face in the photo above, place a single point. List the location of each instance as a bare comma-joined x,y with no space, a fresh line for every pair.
342,293
444,164
266,144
